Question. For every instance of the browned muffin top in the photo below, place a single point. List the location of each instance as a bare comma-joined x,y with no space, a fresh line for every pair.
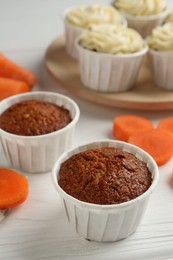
34,117
104,176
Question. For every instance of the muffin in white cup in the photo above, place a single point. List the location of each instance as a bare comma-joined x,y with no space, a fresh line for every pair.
110,57
37,152
81,18
112,215
161,55
143,15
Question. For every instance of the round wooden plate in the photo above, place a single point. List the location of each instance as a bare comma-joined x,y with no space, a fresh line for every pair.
144,96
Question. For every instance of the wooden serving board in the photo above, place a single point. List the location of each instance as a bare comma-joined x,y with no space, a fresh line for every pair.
145,95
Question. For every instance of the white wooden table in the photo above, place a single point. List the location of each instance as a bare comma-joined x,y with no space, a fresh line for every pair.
38,228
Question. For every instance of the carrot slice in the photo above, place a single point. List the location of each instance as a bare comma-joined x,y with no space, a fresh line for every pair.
166,124
158,143
10,87
125,125
13,188
9,69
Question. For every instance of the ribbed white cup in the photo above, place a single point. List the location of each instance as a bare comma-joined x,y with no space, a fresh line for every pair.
145,24
106,222
107,72
72,32
161,66
38,153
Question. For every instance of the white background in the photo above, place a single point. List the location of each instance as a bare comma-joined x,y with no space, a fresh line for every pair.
38,228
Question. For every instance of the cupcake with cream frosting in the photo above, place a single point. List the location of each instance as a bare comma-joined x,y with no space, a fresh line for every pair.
161,55
82,18
106,54
143,15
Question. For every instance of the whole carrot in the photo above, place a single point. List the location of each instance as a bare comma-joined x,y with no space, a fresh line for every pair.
10,87
9,69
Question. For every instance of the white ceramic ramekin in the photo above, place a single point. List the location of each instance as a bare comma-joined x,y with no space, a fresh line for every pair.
72,32
38,153
106,222
145,24
161,66
107,72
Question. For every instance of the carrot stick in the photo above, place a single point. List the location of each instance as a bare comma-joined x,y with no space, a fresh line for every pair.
158,143
13,188
10,87
125,125
166,124
8,69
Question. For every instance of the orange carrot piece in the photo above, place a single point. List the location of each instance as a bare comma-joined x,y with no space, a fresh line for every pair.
10,87
125,125
166,124
9,69
158,143
13,188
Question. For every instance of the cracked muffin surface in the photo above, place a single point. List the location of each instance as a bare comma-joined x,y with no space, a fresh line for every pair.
104,176
34,117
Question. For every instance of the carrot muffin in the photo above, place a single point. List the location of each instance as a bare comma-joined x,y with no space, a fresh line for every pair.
141,7
81,18
161,38
34,117
104,176
112,40
143,15
161,55
86,16
106,54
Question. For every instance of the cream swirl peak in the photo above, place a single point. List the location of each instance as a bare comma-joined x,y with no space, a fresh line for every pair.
141,7
162,38
169,18
87,16
111,39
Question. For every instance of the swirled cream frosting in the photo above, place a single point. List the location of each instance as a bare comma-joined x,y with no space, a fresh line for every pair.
162,38
141,7
85,17
110,39
169,18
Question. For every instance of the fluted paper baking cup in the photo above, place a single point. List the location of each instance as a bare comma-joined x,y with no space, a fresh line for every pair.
38,153
72,32
109,72
106,222
145,24
161,66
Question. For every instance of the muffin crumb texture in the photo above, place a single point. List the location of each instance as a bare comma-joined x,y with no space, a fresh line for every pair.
104,176
34,117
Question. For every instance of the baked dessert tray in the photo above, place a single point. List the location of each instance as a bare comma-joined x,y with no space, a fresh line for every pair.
145,95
